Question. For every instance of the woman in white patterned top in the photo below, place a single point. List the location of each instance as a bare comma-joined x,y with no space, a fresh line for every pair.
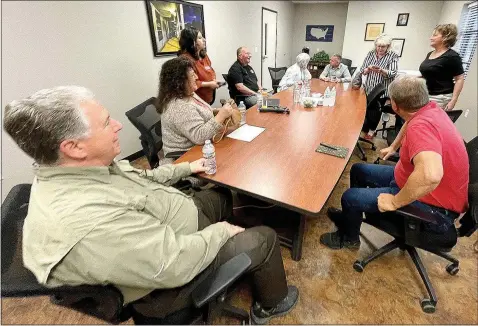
296,72
380,67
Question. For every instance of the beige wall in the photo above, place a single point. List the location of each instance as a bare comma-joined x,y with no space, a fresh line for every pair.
320,14
467,124
106,46
424,16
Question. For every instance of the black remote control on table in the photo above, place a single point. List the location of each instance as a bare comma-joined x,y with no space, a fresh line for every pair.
275,109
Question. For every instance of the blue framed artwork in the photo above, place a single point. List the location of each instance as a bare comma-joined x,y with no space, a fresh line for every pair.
319,33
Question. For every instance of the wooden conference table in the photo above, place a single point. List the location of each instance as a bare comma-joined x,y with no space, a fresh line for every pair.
281,165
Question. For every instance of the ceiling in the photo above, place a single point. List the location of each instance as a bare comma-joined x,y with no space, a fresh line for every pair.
322,1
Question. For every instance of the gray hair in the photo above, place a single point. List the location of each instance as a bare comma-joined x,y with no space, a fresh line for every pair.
238,51
338,56
302,60
40,122
409,93
383,39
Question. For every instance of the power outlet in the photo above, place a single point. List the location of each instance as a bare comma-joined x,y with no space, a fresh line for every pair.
466,112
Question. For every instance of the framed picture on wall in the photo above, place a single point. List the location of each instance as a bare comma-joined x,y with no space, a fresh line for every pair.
372,30
402,19
166,21
319,33
397,45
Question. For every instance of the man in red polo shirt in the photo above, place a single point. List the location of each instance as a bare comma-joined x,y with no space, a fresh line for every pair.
432,173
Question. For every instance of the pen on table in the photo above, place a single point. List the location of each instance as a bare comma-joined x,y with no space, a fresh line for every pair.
329,146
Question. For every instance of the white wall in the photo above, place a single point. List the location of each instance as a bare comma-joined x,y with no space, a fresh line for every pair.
424,16
320,14
468,126
106,46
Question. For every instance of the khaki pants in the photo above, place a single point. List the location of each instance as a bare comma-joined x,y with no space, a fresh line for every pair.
260,243
442,100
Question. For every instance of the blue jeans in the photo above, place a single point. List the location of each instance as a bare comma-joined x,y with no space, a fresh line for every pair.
367,181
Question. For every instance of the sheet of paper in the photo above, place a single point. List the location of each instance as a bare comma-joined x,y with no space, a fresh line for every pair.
246,133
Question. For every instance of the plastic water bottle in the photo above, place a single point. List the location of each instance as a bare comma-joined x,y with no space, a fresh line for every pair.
242,109
209,153
307,87
260,100
297,92
333,92
327,96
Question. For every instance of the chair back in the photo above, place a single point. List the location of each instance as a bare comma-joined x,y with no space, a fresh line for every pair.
225,76
454,114
276,75
374,95
102,302
347,62
469,222
148,121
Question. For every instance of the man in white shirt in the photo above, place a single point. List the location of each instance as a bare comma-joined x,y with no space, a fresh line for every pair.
336,71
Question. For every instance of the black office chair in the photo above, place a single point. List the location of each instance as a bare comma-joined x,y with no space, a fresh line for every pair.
409,233
373,103
348,63
148,121
105,302
276,76
237,98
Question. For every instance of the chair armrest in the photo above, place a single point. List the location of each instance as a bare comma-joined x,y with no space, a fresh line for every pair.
220,279
417,214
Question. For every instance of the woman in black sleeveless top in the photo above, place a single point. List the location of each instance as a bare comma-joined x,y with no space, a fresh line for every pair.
443,68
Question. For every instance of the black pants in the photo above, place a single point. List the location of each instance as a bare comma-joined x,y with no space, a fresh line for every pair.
373,115
260,243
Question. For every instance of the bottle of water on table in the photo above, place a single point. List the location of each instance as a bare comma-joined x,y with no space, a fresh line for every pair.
242,109
260,100
209,153
327,96
333,92
297,92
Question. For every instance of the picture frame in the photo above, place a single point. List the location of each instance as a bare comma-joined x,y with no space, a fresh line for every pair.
167,18
319,33
372,30
402,19
397,45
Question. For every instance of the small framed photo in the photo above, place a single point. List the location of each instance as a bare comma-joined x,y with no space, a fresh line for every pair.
372,30
397,45
402,19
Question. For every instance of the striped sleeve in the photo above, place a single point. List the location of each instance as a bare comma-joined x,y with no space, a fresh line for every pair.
392,67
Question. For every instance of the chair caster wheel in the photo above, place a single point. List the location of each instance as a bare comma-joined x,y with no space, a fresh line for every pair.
428,306
364,159
358,266
377,161
452,269
374,148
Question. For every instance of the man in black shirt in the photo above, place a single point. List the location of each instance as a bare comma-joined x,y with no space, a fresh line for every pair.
242,79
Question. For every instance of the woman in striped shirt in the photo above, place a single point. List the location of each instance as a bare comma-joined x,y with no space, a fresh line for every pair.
380,67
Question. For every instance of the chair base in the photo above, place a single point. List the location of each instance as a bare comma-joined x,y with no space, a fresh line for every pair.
363,157
428,304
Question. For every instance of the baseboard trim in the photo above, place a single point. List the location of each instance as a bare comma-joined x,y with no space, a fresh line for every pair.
134,156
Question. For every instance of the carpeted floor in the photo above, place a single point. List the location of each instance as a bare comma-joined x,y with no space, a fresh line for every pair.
331,292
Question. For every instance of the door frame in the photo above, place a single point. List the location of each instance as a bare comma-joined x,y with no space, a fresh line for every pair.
262,36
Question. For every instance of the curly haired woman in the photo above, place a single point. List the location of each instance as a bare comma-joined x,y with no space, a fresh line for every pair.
186,119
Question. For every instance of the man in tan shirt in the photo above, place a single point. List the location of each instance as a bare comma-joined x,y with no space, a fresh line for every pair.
92,220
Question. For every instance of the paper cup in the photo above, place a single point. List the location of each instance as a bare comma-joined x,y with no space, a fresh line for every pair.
346,86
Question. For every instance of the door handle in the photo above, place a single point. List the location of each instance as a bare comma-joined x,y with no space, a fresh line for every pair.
264,57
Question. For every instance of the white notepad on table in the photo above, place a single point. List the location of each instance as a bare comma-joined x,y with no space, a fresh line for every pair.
246,133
